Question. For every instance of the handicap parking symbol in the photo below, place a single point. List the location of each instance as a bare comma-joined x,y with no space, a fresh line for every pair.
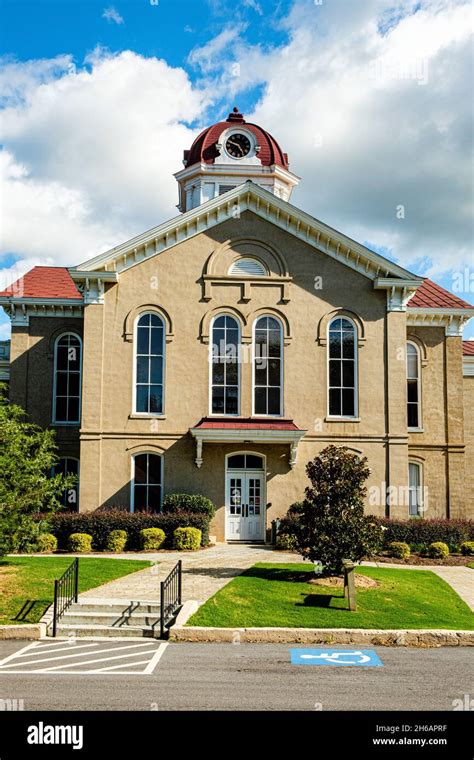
365,658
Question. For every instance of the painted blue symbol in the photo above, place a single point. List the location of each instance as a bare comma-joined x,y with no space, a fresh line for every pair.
366,658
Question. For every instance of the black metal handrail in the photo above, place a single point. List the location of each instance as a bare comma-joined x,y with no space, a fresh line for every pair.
170,596
65,592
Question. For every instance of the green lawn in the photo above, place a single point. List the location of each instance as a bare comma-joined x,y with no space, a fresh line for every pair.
27,583
279,596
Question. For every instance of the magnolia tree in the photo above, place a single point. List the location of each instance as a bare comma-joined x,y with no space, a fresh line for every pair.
330,525
27,456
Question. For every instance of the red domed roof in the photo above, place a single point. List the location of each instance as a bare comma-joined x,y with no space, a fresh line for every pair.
203,149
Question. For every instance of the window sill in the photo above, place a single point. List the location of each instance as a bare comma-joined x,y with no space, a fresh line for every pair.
65,424
342,419
416,430
146,416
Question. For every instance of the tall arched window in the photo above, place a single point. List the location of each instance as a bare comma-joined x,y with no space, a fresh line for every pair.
147,483
225,365
413,386
149,364
67,379
342,368
69,466
268,367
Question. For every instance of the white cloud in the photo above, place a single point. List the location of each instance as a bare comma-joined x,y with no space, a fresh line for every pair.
374,112
112,14
254,5
89,154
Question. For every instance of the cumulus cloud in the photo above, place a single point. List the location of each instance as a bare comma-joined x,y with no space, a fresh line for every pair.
90,152
372,102
112,15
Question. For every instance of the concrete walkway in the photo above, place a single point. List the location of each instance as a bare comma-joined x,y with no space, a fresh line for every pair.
208,570
204,572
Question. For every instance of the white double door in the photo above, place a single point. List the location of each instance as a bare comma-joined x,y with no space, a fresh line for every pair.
245,512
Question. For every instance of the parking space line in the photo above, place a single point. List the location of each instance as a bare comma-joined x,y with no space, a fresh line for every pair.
155,659
122,665
15,654
59,649
88,662
81,654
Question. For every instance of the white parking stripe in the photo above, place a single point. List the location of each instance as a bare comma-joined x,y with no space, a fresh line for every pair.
122,665
81,654
89,662
59,649
155,659
15,654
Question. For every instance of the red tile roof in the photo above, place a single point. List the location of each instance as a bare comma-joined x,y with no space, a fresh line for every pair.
468,347
432,296
44,282
249,423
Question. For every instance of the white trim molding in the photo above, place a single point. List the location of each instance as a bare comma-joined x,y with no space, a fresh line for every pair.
92,284
398,291
19,310
246,435
453,320
250,197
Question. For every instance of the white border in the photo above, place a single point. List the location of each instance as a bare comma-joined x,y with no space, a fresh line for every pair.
337,417
147,415
132,479
239,363
419,427
282,368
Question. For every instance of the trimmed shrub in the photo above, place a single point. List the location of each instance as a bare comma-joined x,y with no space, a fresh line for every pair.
438,550
424,532
399,549
152,538
100,524
80,542
46,542
467,548
193,503
116,541
285,542
186,538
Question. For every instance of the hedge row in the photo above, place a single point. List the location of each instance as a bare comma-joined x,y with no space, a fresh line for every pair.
100,524
425,532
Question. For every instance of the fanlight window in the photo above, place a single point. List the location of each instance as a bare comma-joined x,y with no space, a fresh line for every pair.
245,462
248,267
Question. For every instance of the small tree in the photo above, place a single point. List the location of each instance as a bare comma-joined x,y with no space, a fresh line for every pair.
330,525
27,456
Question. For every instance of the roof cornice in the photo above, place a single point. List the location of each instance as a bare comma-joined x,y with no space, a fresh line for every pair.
247,197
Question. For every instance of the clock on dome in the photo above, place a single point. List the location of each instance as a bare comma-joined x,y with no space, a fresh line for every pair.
237,145
228,154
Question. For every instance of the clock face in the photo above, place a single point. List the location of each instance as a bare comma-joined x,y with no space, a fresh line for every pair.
237,146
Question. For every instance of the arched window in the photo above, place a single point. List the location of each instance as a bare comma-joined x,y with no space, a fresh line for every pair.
248,267
415,505
225,365
69,466
147,483
342,368
268,367
413,386
67,380
149,364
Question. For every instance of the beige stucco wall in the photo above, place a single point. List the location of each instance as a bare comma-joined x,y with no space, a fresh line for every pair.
468,388
173,282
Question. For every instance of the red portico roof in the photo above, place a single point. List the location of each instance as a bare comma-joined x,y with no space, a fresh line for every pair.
203,149
468,347
248,423
43,282
432,296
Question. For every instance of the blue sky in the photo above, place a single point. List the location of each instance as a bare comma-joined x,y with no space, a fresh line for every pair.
370,100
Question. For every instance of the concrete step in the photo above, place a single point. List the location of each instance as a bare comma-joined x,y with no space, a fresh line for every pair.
116,619
81,631
119,608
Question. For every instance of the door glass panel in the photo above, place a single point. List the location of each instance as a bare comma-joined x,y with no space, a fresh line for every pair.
235,496
254,496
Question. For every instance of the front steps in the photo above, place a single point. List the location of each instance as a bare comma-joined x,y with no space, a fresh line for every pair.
117,618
